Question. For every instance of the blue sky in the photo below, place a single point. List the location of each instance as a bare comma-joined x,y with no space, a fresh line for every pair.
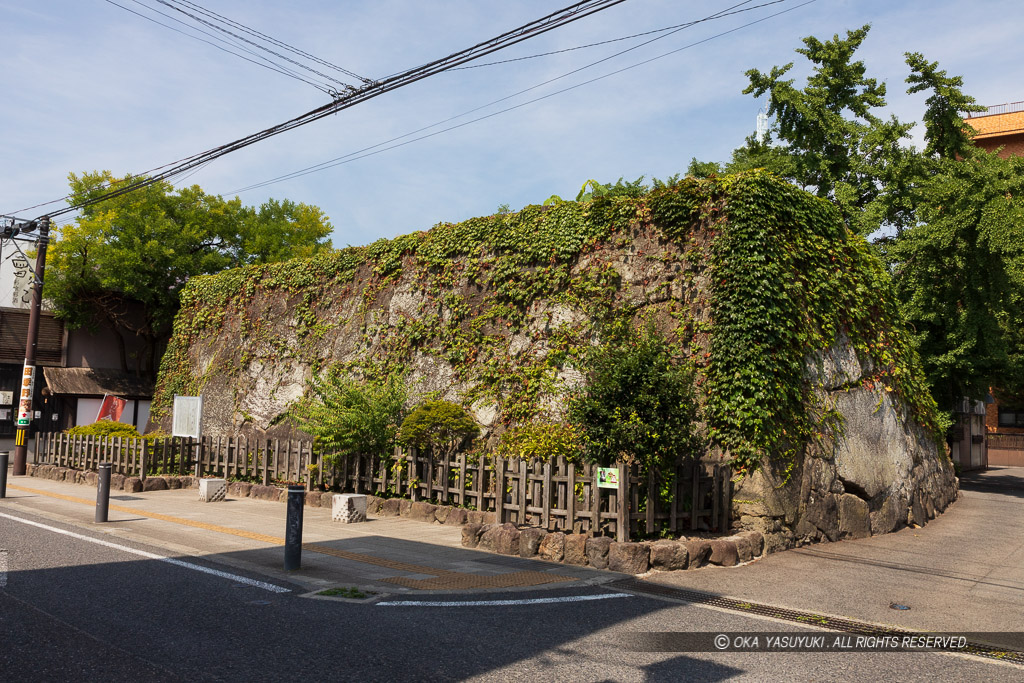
90,86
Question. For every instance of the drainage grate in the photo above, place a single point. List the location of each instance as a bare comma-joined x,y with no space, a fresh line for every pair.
802,617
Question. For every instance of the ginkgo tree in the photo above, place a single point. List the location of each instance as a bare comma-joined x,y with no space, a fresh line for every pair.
122,262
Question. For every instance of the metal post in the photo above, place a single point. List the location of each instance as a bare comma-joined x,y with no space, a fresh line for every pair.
4,457
27,386
293,528
103,492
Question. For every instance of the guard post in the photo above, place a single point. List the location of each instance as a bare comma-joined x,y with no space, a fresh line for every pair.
293,528
103,492
4,457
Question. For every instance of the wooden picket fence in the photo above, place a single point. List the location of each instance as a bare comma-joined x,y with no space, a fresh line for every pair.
556,495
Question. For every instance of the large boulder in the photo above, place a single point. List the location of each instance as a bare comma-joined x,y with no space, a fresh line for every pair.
552,547
500,538
629,558
597,551
669,555
575,549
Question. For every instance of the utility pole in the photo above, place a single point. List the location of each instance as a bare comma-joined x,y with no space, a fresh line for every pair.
28,377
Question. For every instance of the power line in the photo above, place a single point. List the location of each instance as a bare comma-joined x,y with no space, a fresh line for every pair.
688,24
567,15
358,154
270,39
265,63
215,27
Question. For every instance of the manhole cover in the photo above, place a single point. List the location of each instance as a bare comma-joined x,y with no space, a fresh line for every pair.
126,498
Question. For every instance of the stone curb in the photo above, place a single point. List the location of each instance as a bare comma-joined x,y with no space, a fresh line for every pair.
601,552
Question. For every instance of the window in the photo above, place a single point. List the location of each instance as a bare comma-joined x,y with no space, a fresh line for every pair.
1011,417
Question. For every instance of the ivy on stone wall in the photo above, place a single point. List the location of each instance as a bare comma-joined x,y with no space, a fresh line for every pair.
751,276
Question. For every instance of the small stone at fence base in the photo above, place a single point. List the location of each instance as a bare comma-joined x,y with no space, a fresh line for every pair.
552,547
155,484
404,507
373,504
260,492
441,513
669,555
480,517
471,535
575,549
212,490
313,499
629,558
597,551
456,517
349,508
422,512
530,540
724,552
90,478
500,538
390,507
132,485
117,481
699,551
173,483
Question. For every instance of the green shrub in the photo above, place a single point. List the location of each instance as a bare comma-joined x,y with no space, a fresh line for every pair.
105,428
346,416
440,426
637,403
541,440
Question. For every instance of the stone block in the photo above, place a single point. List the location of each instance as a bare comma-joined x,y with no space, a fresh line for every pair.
348,508
117,481
481,517
90,478
500,538
173,483
373,504
422,512
552,547
133,485
530,540
756,540
597,551
327,500
457,517
669,555
471,535
698,550
441,513
854,517
575,549
723,552
404,507
244,489
390,507
313,499
259,492
154,484
212,490
629,558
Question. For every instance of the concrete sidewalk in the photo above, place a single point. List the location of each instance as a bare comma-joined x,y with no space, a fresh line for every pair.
384,555
964,571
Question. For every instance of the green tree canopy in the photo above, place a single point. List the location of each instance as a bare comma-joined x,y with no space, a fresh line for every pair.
124,260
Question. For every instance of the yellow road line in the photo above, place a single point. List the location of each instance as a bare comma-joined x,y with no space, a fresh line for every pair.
445,578
273,540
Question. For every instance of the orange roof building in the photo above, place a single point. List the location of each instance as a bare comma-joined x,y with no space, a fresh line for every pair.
1001,126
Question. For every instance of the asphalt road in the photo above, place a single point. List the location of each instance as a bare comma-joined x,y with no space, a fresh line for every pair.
71,609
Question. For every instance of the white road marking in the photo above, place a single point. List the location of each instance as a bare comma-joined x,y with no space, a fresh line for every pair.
142,553
501,603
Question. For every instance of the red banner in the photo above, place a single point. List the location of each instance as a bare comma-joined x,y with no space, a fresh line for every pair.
111,408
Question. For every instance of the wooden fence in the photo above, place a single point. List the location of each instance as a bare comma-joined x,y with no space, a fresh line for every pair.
555,495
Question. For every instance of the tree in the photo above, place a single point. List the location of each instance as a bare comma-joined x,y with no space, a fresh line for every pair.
441,426
348,417
951,211
124,261
636,403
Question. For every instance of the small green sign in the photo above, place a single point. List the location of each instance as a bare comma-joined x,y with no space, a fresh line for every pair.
607,477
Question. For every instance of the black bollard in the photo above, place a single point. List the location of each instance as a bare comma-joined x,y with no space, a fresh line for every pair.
4,457
103,492
293,528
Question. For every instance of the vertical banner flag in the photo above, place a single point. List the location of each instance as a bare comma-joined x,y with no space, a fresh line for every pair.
28,385
111,408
